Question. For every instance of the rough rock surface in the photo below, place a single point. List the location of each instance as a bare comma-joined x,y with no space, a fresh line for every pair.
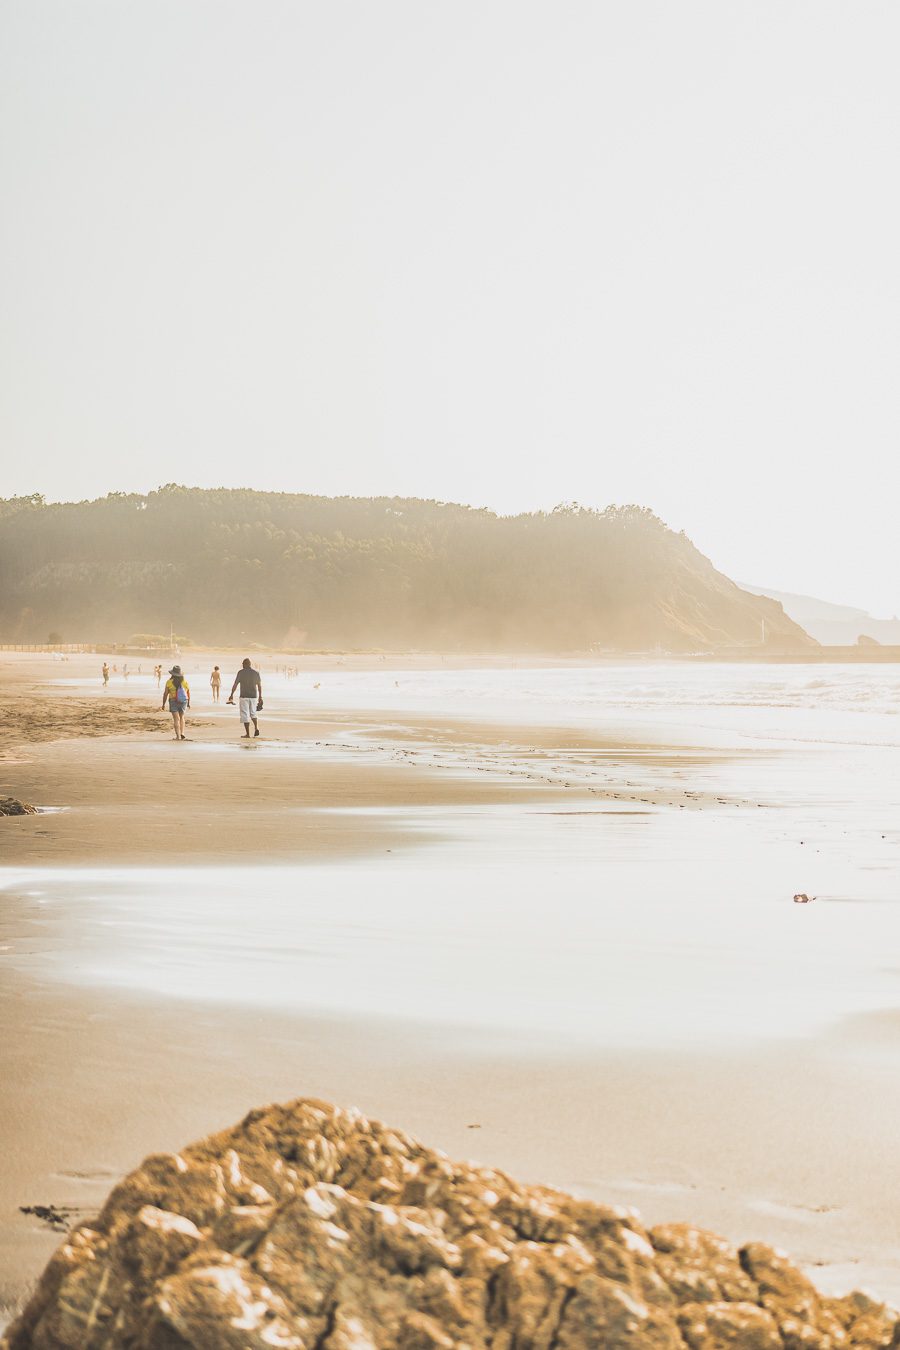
11,806
307,1227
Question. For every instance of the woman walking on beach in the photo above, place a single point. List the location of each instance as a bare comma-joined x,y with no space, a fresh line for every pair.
178,694
215,682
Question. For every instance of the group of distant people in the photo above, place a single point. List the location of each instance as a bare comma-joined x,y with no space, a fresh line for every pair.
177,694
105,672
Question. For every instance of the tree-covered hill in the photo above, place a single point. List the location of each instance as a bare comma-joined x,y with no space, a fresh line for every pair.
233,566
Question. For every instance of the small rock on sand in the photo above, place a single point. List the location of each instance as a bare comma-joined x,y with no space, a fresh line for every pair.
11,806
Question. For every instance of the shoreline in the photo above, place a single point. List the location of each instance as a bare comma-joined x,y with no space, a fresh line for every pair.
104,762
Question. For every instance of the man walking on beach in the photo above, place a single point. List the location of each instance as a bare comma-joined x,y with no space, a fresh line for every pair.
251,699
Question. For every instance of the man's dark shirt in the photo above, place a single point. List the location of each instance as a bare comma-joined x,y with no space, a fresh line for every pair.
248,679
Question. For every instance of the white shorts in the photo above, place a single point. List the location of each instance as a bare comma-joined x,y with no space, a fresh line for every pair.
248,710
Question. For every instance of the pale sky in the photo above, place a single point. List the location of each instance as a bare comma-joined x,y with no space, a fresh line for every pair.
507,253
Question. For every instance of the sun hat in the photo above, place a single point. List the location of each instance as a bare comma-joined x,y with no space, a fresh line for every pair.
176,670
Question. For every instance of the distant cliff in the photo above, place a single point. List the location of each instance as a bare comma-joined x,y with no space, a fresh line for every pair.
834,625
241,566
312,1228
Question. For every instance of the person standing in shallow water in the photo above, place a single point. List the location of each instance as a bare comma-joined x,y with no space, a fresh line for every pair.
105,673
177,694
215,682
251,699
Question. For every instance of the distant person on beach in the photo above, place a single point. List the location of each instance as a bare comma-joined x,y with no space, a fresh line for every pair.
177,694
251,699
157,671
105,673
215,683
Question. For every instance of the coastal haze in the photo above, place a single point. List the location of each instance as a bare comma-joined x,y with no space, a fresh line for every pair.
244,567
511,389
505,255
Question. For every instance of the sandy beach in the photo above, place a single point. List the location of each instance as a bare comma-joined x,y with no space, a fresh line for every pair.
556,937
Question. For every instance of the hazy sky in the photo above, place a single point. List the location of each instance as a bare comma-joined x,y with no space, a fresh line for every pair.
504,253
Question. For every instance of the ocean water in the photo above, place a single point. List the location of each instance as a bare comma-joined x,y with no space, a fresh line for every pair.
845,703
645,901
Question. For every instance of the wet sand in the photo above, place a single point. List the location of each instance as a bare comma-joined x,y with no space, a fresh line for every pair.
788,1138
109,759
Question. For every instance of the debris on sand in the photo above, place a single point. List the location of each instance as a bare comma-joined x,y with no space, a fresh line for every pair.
48,1214
309,1227
801,898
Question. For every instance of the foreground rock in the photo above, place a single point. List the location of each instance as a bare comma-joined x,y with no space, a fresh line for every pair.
11,806
311,1228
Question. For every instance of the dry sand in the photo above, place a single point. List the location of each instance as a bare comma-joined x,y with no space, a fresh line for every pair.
768,1143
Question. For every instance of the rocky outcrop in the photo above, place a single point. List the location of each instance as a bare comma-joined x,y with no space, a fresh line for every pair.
307,1227
11,806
